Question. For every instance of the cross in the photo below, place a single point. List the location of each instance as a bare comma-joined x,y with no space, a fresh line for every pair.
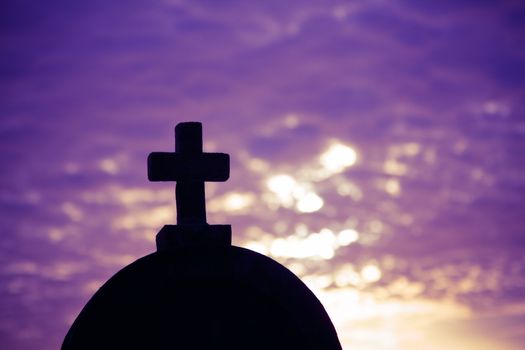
190,168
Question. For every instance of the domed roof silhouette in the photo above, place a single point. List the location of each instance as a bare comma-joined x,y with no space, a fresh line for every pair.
198,291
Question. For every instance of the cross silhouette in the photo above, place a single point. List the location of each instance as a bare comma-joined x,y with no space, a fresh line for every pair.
190,168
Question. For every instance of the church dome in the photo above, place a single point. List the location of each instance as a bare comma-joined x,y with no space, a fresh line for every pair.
203,298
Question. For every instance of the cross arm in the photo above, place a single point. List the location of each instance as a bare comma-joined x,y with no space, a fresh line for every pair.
166,166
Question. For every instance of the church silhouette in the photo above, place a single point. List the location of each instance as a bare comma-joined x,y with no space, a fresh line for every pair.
197,291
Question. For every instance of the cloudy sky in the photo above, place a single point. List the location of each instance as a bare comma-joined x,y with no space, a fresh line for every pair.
376,145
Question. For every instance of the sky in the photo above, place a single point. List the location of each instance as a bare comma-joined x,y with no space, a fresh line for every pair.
376,151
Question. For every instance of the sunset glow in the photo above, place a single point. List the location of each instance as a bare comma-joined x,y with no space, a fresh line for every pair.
376,150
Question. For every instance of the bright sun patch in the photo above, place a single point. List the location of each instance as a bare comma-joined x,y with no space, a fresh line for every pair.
338,157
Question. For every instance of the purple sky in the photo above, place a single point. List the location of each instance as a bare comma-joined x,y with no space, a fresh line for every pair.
417,243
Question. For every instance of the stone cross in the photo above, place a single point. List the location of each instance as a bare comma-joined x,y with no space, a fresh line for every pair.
190,168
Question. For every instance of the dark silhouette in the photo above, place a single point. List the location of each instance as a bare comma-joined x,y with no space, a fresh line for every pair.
198,291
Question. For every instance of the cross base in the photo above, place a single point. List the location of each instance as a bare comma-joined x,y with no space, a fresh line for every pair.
173,237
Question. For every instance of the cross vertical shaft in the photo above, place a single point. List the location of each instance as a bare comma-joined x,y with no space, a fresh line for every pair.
190,194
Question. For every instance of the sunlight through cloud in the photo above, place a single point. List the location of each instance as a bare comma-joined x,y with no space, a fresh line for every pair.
371,273
317,245
393,187
396,324
348,236
291,193
337,158
233,202
283,187
309,203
